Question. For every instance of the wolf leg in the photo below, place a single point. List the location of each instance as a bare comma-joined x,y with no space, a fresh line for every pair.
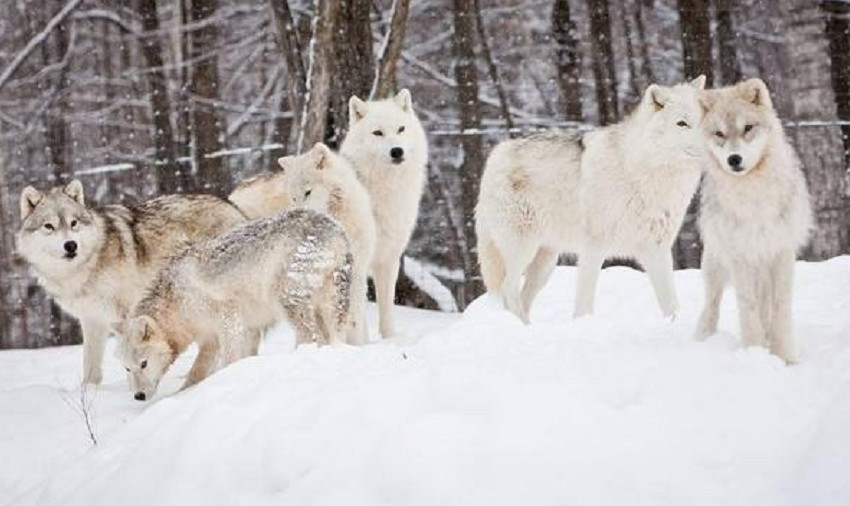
747,281
385,275
659,267
303,320
204,363
780,333
233,337
358,330
589,264
714,281
94,341
537,275
254,339
518,256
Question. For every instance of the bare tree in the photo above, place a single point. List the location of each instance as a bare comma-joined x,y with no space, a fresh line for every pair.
385,79
567,59
838,31
727,42
695,24
286,35
318,84
493,70
643,44
604,71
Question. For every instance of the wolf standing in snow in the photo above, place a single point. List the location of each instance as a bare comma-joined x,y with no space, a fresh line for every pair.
325,182
97,262
224,292
387,146
755,214
620,191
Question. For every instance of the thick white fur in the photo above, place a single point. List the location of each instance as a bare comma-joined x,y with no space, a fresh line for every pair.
754,220
395,188
325,182
620,191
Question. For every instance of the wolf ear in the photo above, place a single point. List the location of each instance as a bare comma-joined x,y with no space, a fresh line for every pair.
699,82
321,156
656,96
356,109
403,100
74,189
30,198
755,91
283,162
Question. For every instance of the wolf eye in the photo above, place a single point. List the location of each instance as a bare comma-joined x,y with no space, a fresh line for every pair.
682,123
127,369
143,364
308,193
401,129
73,223
48,226
747,128
719,135
378,133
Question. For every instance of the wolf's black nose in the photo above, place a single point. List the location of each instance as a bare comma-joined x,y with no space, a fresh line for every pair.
396,153
735,161
140,396
71,247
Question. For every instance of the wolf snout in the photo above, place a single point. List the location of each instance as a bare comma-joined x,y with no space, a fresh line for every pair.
140,396
397,154
734,162
70,248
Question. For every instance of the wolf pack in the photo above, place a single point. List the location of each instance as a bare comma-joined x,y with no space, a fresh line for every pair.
299,244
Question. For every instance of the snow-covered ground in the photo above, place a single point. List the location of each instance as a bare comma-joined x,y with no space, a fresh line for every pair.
623,408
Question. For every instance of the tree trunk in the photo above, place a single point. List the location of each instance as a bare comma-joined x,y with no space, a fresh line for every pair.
643,45
354,59
604,71
695,24
727,42
169,178
286,35
838,32
314,118
567,59
206,128
385,80
466,77
493,70
820,148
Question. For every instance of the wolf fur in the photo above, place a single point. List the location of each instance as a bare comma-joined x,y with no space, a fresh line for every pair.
754,216
262,196
620,191
222,293
388,148
116,252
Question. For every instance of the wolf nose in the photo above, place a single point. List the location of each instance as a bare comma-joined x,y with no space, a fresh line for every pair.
71,247
140,396
735,161
396,153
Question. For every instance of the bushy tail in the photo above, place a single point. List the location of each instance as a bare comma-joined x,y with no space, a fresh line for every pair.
491,262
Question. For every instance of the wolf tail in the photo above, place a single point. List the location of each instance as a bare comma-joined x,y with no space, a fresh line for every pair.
491,262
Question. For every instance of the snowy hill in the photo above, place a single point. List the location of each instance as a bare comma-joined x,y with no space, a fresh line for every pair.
620,408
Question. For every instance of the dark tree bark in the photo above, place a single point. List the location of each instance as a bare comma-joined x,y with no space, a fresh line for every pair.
643,45
727,42
206,129
314,118
466,77
567,59
604,71
695,24
635,89
169,178
493,70
286,35
385,81
838,32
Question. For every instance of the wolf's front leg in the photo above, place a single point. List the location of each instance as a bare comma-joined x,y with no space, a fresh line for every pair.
589,264
779,332
204,363
747,281
385,275
714,280
358,331
233,338
94,341
659,267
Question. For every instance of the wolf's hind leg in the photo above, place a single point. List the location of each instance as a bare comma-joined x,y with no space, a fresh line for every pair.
589,264
659,267
94,342
204,363
303,320
714,281
518,256
780,333
537,275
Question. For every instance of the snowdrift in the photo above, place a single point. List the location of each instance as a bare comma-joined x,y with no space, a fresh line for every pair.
620,408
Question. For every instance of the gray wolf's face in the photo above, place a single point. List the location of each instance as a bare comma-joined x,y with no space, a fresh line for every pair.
737,126
675,119
307,175
144,353
385,129
57,231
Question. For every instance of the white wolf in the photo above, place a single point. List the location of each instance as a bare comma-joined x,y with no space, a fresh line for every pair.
224,292
620,191
388,148
325,182
97,262
755,215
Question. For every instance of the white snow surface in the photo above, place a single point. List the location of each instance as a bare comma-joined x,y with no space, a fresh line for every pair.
622,408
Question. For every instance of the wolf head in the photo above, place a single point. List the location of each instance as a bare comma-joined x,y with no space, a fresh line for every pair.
669,119
310,176
145,354
738,126
58,232
386,131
